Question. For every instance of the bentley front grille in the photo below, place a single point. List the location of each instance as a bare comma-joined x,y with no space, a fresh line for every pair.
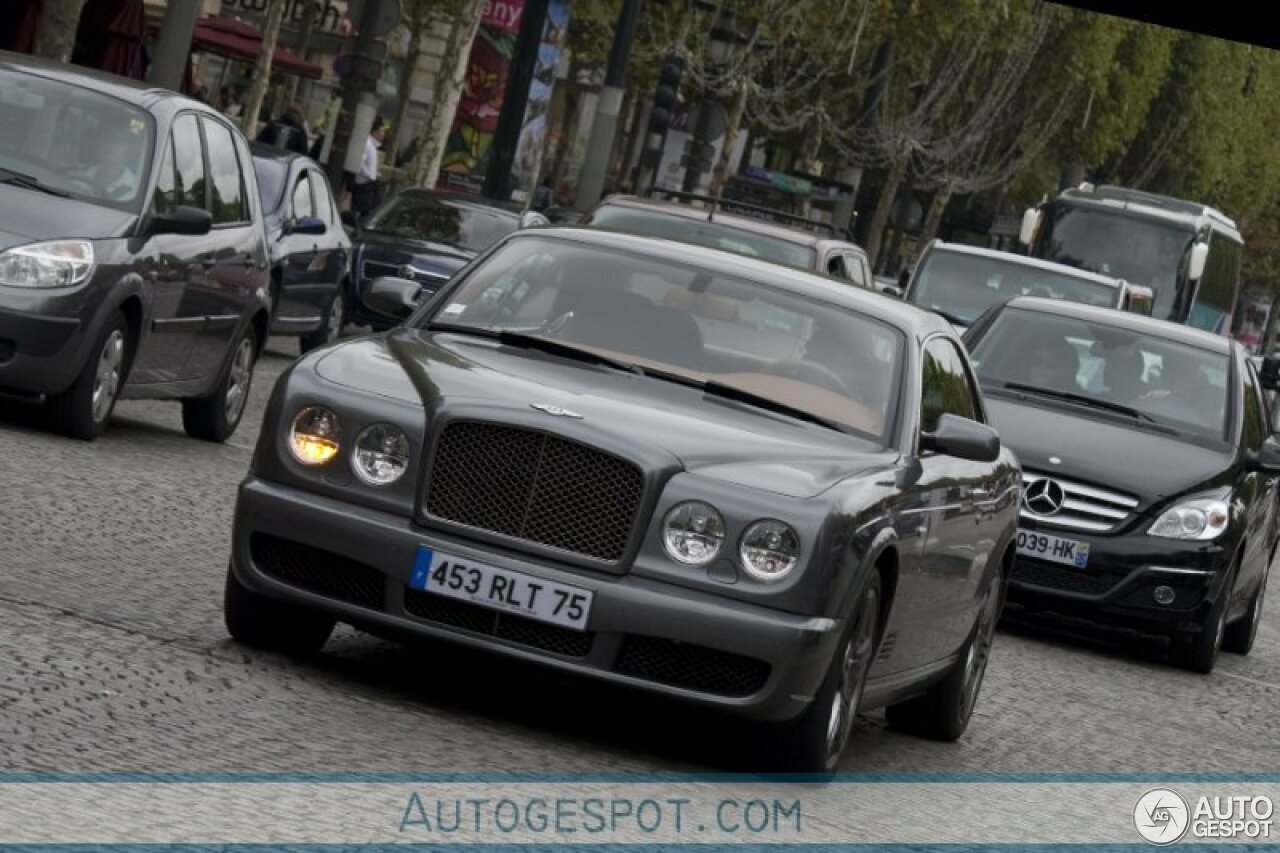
1056,502
533,486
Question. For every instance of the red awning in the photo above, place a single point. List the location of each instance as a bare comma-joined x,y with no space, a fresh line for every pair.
242,40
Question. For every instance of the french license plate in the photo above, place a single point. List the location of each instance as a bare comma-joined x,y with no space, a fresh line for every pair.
1055,549
501,589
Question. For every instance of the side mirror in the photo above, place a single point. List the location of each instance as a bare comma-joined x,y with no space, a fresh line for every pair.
1269,375
394,297
1199,255
182,219
1268,458
306,225
962,438
1030,219
533,219
1139,299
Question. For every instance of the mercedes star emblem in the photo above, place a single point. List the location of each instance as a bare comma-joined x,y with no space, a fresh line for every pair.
555,410
1044,497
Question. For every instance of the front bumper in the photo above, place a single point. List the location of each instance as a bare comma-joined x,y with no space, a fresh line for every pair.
44,338
1118,584
354,563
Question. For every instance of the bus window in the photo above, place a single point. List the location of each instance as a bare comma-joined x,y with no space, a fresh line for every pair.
1216,294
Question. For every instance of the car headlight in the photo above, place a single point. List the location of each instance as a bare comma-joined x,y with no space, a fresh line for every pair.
381,454
315,436
770,549
1200,520
61,263
692,533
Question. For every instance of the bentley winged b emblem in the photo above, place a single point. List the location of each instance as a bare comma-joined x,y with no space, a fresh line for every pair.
555,410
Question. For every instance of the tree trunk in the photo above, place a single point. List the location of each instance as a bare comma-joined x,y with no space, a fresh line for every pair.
720,176
933,218
262,68
310,12
56,33
884,206
447,92
417,29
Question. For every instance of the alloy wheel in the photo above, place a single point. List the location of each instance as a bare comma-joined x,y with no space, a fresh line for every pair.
106,381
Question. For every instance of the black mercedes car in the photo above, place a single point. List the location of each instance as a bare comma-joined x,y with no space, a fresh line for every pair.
1150,468
666,467
424,236
133,259
310,250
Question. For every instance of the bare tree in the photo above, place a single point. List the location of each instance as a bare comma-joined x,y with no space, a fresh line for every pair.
464,19
56,33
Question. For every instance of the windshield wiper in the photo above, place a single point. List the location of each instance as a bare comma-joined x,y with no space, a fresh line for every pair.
17,179
1083,400
548,345
732,392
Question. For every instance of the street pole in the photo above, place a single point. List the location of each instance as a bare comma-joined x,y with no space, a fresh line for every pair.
700,148
608,105
359,99
506,136
173,44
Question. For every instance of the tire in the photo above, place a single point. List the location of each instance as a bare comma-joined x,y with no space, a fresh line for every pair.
215,418
1238,638
83,410
1199,652
814,742
272,625
943,713
335,318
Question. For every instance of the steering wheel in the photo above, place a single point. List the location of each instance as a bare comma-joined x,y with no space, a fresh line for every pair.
811,373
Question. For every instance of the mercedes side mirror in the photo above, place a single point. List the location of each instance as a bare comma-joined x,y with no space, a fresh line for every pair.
394,297
1199,256
533,219
1268,457
1030,219
963,439
306,225
182,219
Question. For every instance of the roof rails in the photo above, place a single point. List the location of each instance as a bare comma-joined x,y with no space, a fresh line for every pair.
732,205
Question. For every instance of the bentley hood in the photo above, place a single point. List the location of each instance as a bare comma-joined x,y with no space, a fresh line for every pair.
715,437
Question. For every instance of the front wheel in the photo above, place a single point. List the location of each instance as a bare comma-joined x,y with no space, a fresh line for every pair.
1238,638
334,319
82,411
1199,652
271,625
814,742
216,417
943,713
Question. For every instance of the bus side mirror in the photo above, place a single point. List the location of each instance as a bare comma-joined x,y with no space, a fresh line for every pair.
1029,221
1139,299
1199,255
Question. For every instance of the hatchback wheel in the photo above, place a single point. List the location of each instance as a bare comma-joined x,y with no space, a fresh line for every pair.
82,411
270,624
1199,652
334,320
1239,637
216,417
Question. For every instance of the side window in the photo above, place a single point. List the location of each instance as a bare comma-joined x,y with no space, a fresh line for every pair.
946,386
858,271
321,196
188,157
1255,418
835,266
166,182
228,199
302,203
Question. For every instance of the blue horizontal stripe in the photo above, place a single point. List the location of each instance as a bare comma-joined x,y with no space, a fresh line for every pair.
640,778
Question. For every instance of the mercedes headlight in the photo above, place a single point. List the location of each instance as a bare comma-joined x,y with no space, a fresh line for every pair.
770,550
1199,520
692,533
315,436
61,263
381,454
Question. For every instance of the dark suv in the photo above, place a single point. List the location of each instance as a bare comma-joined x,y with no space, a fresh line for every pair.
1149,467
133,259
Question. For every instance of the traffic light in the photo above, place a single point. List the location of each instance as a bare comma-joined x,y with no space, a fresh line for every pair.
668,92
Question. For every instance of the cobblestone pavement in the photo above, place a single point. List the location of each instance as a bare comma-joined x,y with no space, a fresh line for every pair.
113,656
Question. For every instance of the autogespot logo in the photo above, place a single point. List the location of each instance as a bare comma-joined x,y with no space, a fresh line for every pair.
1161,816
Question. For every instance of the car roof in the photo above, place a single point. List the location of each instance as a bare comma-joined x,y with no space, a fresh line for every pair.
1001,256
271,152
1189,213
908,318
1148,326
745,223
131,91
461,200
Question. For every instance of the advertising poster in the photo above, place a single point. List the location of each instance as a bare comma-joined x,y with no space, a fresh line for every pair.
467,148
533,133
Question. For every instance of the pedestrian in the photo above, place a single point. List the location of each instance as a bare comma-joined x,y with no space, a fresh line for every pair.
364,192
288,131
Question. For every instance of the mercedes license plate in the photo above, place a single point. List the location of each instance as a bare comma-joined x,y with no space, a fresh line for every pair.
501,589
1055,549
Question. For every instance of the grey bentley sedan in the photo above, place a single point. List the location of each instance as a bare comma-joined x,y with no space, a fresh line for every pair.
656,465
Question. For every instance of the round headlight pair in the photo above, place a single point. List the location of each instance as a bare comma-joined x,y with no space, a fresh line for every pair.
380,455
694,531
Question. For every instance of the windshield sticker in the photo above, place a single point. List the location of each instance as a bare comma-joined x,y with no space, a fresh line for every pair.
455,309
